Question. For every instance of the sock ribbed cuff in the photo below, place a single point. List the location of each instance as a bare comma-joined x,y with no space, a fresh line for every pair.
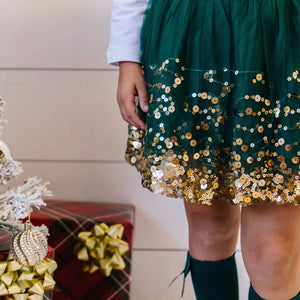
211,267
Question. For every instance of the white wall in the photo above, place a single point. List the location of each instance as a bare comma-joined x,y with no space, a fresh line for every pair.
64,125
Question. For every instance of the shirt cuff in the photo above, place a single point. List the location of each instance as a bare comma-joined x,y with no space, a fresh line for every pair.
114,57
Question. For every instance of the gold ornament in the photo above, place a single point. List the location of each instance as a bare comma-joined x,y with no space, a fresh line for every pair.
30,246
102,248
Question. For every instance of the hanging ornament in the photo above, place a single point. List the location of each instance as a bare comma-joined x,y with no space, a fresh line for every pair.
30,246
5,154
9,168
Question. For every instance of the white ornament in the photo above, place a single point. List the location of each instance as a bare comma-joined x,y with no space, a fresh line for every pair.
9,168
5,154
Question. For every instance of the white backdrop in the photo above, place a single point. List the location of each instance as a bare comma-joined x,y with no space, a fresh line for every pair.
64,125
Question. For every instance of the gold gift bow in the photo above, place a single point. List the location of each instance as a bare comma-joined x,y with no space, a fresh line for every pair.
102,248
18,282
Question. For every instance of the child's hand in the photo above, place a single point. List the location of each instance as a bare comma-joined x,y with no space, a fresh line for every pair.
131,84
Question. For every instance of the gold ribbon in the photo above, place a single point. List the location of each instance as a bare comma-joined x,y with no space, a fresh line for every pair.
18,282
102,249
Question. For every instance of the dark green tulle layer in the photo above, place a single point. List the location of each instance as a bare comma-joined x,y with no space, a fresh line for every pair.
224,113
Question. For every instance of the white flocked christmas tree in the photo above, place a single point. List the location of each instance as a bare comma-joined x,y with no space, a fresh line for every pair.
16,203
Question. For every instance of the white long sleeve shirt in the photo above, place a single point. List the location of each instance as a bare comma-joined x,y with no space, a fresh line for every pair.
126,22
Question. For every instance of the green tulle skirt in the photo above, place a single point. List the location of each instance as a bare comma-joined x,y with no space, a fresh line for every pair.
224,101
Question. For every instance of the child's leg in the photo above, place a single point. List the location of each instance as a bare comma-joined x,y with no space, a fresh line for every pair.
213,232
270,246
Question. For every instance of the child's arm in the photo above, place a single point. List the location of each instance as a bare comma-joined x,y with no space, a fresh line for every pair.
124,50
126,22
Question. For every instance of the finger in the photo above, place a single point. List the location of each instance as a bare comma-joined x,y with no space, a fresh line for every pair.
128,112
124,115
143,96
133,117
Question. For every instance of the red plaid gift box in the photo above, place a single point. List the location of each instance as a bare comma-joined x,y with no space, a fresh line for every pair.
65,220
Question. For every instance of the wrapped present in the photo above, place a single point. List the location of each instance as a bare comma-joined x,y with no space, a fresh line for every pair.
21,282
93,245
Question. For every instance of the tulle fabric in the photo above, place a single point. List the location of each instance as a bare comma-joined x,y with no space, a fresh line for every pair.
224,113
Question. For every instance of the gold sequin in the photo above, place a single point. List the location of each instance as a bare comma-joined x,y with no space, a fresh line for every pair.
237,157
249,110
247,200
204,95
206,153
185,157
205,127
215,185
220,119
177,81
188,135
193,143
288,147
195,108
283,165
239,141
214,100
196,156
175,161
260,129
169,145
226,89
259,77
171,109
244,148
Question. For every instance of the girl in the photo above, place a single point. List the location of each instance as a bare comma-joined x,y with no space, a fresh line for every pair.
217,123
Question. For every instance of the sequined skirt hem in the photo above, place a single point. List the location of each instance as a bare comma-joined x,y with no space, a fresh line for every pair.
176,179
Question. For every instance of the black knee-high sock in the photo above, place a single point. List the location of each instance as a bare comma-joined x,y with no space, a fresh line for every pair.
254,296
215,280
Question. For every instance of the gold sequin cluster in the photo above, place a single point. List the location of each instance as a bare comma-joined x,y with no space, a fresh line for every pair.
194,149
